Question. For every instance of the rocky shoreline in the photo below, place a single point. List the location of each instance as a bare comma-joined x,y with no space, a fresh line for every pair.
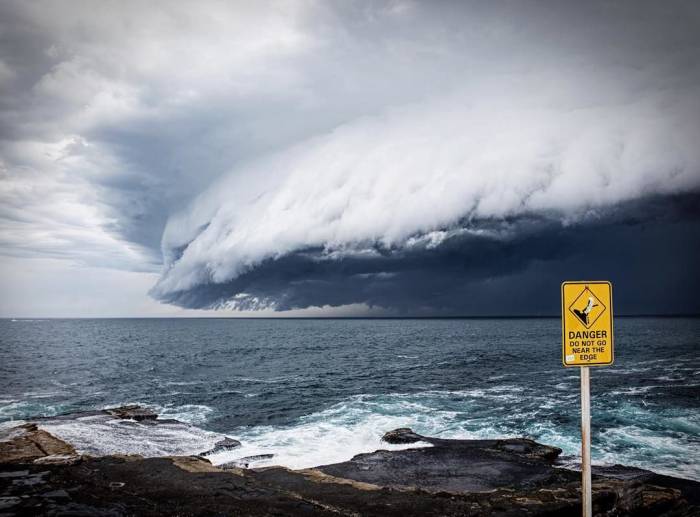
41,474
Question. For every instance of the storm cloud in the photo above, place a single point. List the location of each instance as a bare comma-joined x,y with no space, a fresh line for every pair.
505,266
421,157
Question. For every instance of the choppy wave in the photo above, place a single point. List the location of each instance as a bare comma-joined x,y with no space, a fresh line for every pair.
356,425
332,435
25,409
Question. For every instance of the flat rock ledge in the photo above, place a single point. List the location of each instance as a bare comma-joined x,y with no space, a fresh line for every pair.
133,412
42,475
128,412
27,443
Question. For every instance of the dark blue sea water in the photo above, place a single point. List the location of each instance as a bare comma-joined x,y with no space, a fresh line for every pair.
318,391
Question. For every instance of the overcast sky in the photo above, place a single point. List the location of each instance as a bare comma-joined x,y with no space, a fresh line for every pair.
347,158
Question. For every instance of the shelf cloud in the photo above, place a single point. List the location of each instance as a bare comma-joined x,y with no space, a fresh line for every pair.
479,170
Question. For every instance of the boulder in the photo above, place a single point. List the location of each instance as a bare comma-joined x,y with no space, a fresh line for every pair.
528,448
401,435
222,445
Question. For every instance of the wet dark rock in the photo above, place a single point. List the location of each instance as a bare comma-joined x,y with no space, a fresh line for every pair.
132,412
401,435
226,444
456,466
690,489
33,479
222,445
14,474
258,457
528,448
519,446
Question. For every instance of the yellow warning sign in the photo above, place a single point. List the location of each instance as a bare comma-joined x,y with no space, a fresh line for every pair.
587,323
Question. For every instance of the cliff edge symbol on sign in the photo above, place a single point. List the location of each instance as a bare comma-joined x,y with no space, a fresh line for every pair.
587,307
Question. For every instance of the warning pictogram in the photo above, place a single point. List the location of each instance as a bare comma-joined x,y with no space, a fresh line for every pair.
587,307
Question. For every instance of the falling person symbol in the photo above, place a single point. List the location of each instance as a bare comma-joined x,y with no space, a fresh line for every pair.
583,315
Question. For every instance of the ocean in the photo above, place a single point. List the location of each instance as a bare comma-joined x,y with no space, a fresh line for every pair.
318,391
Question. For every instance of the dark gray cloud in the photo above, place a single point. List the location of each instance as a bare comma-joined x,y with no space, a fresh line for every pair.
314,154
649,248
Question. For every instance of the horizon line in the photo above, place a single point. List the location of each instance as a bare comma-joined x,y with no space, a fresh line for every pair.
459,317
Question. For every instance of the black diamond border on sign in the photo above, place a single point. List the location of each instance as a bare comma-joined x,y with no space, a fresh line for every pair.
597,299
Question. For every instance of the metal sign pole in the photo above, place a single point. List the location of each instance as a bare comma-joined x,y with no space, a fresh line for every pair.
587,506
587,338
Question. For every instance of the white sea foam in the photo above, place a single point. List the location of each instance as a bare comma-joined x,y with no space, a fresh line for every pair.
357,424
101,435
273,380
664,454
670,378
634,390
195,414
331,436
42,394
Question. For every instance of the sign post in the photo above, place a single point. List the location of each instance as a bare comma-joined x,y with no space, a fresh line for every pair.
587,504
587,337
